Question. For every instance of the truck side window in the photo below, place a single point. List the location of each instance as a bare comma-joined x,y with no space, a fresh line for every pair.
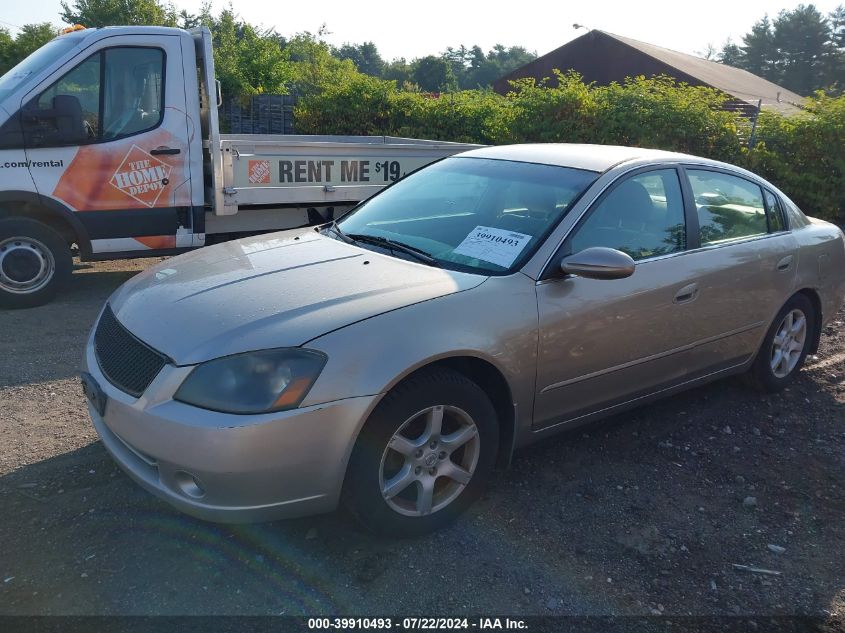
67,113
115,93
132,102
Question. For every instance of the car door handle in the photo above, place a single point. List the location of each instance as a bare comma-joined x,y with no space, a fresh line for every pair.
785,263
164,150
686,294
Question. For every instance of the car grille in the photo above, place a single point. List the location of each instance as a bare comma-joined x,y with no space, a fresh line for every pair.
126,362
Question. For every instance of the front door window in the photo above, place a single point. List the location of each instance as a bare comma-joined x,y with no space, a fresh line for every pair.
643,217
113,94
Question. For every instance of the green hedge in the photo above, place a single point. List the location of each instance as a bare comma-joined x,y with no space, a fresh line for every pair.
802,154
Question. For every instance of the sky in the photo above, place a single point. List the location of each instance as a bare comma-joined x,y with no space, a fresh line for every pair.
414,29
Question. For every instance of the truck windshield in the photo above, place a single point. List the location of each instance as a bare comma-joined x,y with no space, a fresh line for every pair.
472,214
20,75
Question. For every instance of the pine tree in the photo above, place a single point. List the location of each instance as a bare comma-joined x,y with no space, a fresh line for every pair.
759,51
731,55
804,50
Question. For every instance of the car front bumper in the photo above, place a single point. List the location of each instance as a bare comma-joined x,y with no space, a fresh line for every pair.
228,468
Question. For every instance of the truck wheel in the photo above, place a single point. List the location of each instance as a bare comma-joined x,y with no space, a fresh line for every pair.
423,456
34,262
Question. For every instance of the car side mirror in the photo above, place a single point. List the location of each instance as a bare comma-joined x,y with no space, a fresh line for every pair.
598,262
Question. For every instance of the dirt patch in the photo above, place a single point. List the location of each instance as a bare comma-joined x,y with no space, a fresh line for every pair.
646,513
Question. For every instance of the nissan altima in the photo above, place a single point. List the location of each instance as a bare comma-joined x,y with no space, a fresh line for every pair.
391,360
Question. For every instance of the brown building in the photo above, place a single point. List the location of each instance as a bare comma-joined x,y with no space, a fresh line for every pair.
603,58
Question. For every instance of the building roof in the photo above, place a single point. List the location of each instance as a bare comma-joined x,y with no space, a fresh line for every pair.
734,81
738,83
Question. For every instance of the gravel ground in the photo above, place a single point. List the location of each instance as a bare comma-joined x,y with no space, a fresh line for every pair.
647,513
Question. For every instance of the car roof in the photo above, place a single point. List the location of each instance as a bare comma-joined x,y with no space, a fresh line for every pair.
580,156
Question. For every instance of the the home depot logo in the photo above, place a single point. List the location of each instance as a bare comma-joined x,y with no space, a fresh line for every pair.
259,172
141,176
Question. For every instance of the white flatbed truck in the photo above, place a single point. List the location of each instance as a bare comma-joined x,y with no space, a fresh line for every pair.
110,143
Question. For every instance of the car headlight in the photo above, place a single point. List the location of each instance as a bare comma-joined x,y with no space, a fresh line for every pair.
253,382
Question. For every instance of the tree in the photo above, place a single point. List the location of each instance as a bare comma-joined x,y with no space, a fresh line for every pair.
459,59
837,27
399,70
96,13
8,56
801,49
759,51
500,60
473,69
710,51
433,74
802,40
248,61
837,39
365,57
731,54
313,66
32,37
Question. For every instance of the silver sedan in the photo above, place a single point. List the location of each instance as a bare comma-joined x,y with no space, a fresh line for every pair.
392,359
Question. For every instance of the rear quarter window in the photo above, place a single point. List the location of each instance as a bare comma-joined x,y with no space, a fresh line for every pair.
774,212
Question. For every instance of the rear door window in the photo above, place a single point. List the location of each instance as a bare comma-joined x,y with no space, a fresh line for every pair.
728,207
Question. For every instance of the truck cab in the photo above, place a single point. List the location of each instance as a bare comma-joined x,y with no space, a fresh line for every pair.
109,142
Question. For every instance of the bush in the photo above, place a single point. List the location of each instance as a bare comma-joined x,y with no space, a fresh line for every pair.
568,112
804,155
663,114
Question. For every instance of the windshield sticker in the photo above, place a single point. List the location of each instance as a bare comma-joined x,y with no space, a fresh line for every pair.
493,245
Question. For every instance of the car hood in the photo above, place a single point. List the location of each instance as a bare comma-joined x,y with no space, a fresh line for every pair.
276,290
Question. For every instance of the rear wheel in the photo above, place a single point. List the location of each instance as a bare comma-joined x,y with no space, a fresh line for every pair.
786,345
423,456
34,262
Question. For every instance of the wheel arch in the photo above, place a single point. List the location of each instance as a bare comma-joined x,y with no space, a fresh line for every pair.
492,381
27,204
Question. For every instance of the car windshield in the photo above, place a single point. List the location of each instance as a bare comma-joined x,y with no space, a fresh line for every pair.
21,74
472,214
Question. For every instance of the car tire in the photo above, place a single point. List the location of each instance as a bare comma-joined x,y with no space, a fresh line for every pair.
785,346
34,262
434,426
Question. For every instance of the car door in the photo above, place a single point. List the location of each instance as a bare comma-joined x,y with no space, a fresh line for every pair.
108,138
604,342
745,262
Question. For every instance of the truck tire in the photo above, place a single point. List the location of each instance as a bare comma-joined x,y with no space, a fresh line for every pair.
34,262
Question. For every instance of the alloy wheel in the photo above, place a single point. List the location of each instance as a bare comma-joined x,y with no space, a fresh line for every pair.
788,343
429,460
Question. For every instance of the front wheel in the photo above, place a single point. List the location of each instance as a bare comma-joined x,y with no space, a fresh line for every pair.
34,262
786,345
423,456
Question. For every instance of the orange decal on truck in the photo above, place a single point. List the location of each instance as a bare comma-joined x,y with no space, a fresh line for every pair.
259,172
142,176
158,241
124,175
